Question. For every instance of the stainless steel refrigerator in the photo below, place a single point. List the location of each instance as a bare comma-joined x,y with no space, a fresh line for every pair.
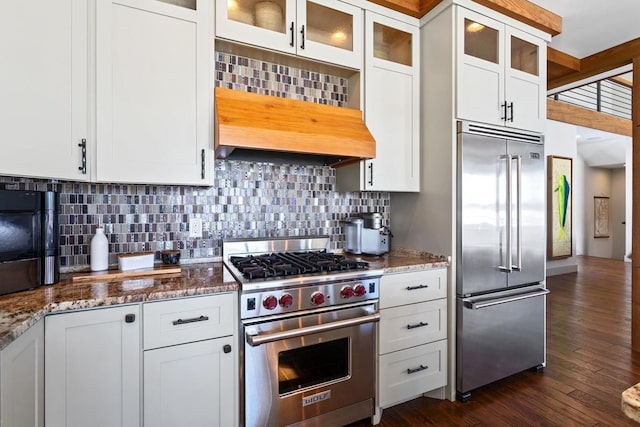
501,254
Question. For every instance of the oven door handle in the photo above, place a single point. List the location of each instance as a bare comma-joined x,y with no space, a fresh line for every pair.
255,339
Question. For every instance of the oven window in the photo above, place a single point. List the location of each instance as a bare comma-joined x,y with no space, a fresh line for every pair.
18,238
312,365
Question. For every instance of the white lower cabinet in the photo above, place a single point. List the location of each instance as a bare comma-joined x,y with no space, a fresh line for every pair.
190,384
92,367
22,380
411,372
190,362
160,364
412,340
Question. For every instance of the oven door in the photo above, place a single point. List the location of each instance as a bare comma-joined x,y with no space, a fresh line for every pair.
315,369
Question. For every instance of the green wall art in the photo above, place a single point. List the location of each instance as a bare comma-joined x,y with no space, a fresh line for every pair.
559,218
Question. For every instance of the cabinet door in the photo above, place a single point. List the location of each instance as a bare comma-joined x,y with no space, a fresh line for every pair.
480,77
411,372
268,24
191,385
414,324
92,368
188,319
43,88
331,31
154,91
525,80
392,104
22,380
412,287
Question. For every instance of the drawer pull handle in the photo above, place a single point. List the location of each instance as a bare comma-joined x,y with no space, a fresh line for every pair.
418,325
192,320
413,371
413,288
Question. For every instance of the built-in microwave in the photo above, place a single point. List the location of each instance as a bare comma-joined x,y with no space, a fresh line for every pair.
29,239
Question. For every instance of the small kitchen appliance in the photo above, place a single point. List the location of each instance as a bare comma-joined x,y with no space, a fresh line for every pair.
307,321
28,239
367,235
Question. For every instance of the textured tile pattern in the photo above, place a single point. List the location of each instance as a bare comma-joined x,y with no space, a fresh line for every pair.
252,75
247,199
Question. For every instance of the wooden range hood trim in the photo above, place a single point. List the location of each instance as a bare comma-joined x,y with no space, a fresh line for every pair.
261,122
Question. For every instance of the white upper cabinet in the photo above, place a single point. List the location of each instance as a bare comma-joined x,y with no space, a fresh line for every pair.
501,73
43,88
324,30
391,108
154,91
392,104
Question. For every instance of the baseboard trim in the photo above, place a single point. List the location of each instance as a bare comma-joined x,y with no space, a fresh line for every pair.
563,269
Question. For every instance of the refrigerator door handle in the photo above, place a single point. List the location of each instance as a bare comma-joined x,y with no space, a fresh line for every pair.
518,265
507,267
470,303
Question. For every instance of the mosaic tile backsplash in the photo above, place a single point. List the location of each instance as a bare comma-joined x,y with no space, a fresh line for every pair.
247,199
252,75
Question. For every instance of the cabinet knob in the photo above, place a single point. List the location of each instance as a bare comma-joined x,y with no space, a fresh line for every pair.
130,318
226,348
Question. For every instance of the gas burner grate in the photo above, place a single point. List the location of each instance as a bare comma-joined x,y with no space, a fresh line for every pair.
293,263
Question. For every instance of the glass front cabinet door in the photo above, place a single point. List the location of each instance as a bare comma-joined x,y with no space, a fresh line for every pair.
324,30
501,73
392,104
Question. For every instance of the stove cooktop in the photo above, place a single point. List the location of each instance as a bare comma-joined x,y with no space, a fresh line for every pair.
293,263
269,263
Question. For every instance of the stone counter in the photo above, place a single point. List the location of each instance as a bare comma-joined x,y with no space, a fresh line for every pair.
20,310
402,261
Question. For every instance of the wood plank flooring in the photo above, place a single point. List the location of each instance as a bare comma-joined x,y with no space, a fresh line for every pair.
589,363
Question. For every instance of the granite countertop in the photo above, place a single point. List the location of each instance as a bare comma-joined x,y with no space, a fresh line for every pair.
21,310
402,261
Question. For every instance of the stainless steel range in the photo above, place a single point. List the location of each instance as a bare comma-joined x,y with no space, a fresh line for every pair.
308,321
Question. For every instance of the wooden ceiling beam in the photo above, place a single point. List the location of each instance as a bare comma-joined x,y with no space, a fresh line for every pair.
527,12
563,59
579,116
601,62
560,64
522,10
408,7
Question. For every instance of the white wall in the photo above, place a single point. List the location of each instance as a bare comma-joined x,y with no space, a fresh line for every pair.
560,140
629,199
618,213
597,183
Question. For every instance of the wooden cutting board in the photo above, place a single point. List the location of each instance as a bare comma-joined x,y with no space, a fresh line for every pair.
98,276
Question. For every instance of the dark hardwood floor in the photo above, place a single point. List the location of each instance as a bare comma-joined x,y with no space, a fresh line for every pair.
589,363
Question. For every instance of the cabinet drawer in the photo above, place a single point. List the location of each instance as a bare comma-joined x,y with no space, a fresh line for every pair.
409,373
409,288
186,320
412,325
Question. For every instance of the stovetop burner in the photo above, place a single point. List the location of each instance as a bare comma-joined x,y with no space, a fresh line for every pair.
283,264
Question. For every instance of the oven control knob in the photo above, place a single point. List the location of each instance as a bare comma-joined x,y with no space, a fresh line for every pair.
270,302
286,300
346,292
359,290
317,298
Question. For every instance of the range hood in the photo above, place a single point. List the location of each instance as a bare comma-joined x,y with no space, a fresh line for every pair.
261,122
